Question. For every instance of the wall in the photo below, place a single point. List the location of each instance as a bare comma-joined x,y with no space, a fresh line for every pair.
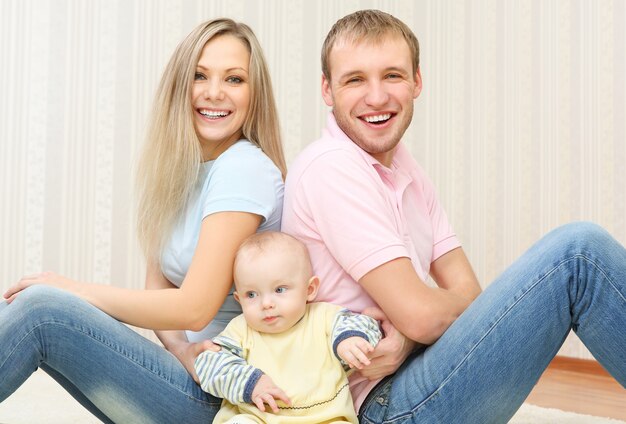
521,123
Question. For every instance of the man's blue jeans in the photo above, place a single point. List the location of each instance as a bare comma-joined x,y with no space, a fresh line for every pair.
486,363
480,371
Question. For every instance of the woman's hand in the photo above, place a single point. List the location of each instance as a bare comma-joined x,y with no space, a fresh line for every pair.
48,278
390,352
187,352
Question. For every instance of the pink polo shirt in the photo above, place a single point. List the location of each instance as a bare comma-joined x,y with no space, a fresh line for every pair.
354,214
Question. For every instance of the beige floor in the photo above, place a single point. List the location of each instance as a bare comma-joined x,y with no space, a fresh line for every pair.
41,400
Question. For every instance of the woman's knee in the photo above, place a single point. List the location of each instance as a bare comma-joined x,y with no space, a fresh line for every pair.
42,299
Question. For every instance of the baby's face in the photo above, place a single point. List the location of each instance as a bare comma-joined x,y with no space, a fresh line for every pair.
273,289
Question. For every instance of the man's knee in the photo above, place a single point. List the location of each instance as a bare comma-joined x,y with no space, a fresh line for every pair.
582,236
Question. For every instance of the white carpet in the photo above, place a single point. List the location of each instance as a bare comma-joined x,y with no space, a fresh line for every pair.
531,414
41,400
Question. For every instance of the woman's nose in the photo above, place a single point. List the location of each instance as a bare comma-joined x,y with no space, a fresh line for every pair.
213,90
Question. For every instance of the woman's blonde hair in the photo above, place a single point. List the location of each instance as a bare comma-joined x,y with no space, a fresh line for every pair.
171,157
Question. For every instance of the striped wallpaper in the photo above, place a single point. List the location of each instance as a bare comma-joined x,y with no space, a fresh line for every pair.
521,123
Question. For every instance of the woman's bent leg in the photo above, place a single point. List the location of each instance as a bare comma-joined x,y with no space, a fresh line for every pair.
110,369
484,366
76,393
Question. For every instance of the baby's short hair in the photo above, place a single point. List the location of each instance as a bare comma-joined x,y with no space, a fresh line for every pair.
272,241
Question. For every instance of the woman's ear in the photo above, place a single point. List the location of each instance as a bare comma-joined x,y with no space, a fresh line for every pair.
313,285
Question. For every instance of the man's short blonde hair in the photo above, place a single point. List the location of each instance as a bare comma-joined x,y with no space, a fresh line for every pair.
370,26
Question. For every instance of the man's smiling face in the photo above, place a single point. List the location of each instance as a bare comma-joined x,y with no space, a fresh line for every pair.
372,87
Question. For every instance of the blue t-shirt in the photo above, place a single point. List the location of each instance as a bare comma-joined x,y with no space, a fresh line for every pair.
242,179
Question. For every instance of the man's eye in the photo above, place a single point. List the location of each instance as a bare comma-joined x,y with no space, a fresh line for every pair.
281,289
251,295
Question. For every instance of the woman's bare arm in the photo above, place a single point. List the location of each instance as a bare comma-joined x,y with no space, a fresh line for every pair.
190,307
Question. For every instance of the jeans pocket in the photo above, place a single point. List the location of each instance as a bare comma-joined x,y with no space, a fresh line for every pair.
375,405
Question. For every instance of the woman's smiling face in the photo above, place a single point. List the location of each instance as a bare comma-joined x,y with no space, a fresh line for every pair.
220,95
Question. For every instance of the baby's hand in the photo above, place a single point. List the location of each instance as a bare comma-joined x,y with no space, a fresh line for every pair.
266,391
354,350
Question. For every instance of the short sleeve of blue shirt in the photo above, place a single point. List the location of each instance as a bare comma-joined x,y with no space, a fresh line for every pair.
243,179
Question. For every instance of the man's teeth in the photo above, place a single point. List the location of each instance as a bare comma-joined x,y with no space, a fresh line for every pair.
213,113
378,118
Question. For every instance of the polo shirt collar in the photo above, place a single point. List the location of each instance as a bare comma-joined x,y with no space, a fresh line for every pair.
337,133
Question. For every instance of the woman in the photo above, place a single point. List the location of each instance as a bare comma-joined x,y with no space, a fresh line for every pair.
205,184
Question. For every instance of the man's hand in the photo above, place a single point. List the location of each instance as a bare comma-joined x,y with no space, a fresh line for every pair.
354,351
390,352
266,391
187,352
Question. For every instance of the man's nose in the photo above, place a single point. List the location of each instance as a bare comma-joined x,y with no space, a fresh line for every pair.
376,94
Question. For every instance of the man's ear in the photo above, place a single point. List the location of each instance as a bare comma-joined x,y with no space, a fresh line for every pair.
327,93
236,296
418,83
313,285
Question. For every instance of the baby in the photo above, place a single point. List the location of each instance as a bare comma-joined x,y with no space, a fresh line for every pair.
282,351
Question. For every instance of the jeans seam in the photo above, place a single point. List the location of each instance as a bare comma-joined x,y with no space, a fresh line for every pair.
605,275
495,324
107,346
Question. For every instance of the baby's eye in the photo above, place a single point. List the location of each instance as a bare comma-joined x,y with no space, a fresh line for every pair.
251,295
281,289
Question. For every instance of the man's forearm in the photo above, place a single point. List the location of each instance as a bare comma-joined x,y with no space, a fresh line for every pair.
468,291
441,314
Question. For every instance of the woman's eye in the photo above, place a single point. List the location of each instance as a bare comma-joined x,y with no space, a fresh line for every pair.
251,295
234,80
199,76
281,289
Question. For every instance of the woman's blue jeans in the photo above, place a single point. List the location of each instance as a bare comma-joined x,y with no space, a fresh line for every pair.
480,371
111,370
486,363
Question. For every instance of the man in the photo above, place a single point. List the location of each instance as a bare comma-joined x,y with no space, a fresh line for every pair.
375,230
